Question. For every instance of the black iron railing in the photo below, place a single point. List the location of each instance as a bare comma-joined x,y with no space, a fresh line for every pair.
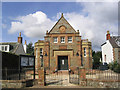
102,74
74,76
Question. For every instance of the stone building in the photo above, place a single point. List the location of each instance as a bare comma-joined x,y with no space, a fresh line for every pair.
63,48
111,49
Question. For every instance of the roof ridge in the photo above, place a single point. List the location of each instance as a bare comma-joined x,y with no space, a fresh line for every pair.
16,48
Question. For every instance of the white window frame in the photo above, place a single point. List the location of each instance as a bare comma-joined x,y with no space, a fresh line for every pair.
84,51
2,48
62,39
36,52
5,47
55,39
118,42
70,39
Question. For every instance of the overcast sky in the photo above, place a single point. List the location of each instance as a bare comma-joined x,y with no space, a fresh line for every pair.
93,19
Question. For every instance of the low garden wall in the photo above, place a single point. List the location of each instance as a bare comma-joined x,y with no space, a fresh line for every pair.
100,83
103,83
99,79
18,83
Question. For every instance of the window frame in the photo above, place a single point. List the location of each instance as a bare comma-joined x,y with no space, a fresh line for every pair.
56,39
41,51
5,48
70,40
2,48
61,39
85,52
36,52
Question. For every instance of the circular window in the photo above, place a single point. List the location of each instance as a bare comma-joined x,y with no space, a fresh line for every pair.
62,28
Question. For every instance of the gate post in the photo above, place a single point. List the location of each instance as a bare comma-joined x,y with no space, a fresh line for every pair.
41,73
82,76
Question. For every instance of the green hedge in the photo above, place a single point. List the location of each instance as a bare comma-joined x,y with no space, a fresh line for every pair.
115,67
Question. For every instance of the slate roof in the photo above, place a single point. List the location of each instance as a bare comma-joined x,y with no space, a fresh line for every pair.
15,47
113,41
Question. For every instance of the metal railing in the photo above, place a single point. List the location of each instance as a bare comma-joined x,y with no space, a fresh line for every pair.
53,77
74,76
102,75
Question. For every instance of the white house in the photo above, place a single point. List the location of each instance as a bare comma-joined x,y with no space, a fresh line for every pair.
111,49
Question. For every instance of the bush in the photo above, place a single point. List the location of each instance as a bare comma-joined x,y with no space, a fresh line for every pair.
115,67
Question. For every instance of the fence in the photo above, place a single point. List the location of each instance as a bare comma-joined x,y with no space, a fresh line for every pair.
16,74
74,76
53,77
101,75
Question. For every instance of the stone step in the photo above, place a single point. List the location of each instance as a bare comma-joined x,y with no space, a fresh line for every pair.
63,72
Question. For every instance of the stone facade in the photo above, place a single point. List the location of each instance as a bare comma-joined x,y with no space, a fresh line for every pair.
77,51
116,54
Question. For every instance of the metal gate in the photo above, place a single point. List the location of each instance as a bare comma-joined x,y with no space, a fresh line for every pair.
53,77
74,76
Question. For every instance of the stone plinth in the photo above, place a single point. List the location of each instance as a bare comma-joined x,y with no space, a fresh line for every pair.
82,76
41,74
82,73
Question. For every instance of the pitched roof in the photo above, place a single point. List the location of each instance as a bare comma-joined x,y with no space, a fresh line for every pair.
62,22
15,47
113,41
19,50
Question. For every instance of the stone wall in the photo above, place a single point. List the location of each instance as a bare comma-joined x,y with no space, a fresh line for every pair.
18,83
103,83
96,83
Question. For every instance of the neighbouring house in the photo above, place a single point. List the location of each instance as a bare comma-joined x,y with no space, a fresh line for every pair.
111,49
14,47
63,48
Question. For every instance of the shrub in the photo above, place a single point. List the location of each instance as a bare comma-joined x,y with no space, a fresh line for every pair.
115,67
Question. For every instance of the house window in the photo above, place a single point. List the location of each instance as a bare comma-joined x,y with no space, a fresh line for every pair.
2,48
62,39
5,48
69,39
118,42
55,39
41,52
36,52
84,52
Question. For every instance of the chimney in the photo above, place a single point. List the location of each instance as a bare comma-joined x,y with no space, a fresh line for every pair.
20,38
108,35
